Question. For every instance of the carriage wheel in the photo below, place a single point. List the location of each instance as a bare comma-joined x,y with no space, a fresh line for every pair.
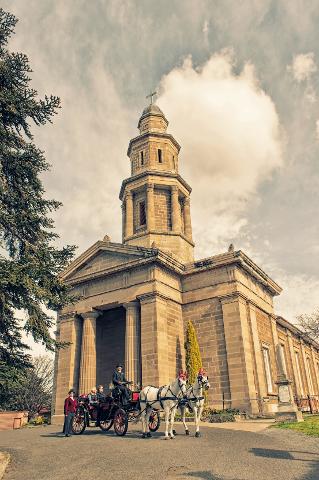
154,421
120,422
105,425
78,423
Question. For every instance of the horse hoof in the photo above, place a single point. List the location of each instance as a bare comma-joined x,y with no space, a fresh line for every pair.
174,432
172,437
149,435
197,434
166,438
186,432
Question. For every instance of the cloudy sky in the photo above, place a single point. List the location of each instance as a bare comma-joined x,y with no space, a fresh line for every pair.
238,82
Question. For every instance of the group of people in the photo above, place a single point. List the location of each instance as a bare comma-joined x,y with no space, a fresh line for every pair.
95,397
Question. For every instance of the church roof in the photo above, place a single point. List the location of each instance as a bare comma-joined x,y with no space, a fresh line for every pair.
152,110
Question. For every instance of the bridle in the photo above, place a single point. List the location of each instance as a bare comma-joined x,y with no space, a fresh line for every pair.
181,385
204,384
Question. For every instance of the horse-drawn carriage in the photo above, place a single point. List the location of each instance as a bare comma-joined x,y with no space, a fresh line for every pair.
112,411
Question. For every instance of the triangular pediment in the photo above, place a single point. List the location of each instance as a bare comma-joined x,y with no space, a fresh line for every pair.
103,256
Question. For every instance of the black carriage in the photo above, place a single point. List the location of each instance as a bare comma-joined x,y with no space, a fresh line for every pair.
112,412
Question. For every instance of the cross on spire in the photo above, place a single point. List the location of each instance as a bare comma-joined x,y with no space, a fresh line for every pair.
151,95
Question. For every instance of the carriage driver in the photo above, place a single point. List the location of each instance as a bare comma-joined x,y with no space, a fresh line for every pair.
120,381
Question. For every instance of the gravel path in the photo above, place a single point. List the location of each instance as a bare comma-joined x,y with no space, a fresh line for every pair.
220,454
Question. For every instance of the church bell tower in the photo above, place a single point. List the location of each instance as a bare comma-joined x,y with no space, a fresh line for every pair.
155,198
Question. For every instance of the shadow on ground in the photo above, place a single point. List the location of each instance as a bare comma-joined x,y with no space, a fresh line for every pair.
295,455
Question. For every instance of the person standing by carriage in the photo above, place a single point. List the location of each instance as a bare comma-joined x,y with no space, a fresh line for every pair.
100,397
70,405
120,382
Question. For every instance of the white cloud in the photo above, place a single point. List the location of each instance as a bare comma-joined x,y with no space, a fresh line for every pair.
231,141
299,295
303,66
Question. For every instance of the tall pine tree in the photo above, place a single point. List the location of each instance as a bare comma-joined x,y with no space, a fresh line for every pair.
193,356
30,263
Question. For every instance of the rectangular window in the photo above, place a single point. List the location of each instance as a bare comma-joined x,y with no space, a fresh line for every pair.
142,158
299,374
142,214
267,369
311,390
159,155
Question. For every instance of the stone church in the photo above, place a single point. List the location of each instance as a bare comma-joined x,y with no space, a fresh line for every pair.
136,297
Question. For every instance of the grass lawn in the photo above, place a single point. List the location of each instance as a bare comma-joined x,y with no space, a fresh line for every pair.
310,426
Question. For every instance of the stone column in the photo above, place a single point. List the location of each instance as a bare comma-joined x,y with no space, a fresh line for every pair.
305,367
150,207
88,352
129,214
176,210
132,343
240,357
187,218
154,340
262,388
123,222
275,337
67,362
315,368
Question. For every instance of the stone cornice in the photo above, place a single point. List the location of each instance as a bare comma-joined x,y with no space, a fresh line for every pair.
145,135
150,296
143,233
90,314
65,317
235,258
294,329
155,173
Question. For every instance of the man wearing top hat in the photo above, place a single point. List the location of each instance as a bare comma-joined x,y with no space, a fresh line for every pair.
120,381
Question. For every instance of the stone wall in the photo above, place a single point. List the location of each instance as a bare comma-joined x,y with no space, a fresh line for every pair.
162,209
207,318
175,338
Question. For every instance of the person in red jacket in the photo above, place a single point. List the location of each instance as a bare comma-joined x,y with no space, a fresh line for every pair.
70,405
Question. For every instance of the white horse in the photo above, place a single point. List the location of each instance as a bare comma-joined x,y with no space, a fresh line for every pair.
195,400
164,398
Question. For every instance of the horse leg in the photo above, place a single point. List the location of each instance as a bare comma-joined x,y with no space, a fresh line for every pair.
183,410
143,425
197,417
148,433
167,412
172,419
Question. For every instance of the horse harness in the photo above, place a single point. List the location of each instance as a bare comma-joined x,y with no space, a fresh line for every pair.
160,399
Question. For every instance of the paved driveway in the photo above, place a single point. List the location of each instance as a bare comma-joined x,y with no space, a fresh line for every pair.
220,454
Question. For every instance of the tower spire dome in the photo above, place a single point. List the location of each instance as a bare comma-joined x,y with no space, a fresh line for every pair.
155,198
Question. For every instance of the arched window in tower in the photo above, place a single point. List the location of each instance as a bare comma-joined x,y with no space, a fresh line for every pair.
142,158
142,214
159,155
174,163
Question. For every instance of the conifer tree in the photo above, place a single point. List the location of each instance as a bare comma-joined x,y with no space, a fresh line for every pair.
193,356
30,262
